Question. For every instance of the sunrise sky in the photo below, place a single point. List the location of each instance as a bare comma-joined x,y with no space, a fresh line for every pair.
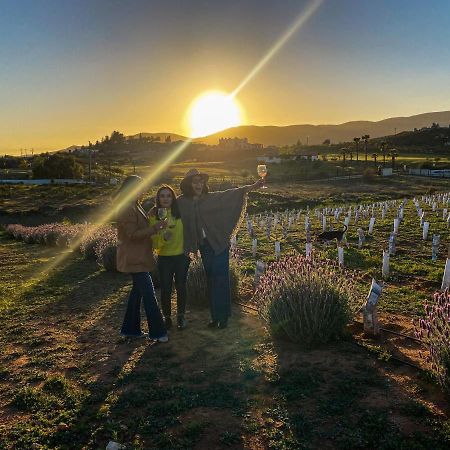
74,70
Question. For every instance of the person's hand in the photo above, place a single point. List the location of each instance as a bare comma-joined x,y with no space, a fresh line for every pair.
257,185
160,225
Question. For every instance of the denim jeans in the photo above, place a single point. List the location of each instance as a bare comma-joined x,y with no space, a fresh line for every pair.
143,290
217,271
170,267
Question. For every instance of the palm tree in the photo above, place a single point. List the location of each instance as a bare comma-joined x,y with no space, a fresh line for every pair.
383,146
393,153
343,152
350,152
375,156
365,138
356,140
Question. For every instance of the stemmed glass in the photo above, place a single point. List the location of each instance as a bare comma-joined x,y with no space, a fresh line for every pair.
162,213
262,172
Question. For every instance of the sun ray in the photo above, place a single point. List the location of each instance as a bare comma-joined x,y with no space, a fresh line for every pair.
107,214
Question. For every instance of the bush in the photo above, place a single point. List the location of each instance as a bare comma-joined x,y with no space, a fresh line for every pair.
197,289
434,331
369,174
306,301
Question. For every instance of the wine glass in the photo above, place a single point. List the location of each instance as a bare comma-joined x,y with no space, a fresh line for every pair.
162,213
262,172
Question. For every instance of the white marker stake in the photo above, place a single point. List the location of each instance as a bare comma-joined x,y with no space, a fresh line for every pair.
385,269
396,223
446,278
426,226
233,242
346,221
308,250
435,246
444,213
371,224
324,223
260,268
277,249
254,246
341,256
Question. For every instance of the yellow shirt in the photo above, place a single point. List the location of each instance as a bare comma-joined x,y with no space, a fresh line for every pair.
172,246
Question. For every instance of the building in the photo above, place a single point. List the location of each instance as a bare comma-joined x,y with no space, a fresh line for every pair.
239,144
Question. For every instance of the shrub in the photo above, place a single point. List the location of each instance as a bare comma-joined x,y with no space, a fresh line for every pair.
434,331
106,249
369,174
306,301
197,289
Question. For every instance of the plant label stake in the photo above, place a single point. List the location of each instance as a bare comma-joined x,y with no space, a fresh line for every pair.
435,246
260,269
277,249
446,277
324,223
233,242
396,223
254,246
340,256
444,213
385,268
371,224
361,237
346,221
370,314
392,244
426,226
383,213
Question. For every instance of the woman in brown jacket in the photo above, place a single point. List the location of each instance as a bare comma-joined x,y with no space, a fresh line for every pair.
135,256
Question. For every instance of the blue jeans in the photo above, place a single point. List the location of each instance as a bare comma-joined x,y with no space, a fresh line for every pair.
143,290
217,269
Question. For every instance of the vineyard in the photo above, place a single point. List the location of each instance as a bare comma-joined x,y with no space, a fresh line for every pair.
69,381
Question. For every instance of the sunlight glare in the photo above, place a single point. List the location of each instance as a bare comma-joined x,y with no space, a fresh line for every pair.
213,111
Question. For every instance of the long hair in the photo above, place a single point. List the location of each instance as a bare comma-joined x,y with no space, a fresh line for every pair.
120,197
188,190
174,208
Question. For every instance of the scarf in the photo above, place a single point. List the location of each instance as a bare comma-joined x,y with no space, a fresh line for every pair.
217,213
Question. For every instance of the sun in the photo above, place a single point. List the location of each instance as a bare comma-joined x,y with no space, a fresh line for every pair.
213,111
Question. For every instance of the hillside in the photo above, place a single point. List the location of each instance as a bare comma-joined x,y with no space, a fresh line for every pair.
316,134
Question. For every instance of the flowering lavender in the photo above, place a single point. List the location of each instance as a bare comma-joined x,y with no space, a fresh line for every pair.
197,289
434,331
308,301
96,243
106,249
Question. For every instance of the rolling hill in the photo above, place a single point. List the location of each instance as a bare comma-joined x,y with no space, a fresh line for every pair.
316,134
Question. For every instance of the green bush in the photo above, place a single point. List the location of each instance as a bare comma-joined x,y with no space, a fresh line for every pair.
309,302
197,289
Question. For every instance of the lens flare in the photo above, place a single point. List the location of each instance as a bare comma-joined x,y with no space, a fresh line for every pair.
109,212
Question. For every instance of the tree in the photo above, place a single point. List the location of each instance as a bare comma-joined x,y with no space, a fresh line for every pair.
343,152
393,153
383,146
375,156
326,142
365,138
57,166
356,140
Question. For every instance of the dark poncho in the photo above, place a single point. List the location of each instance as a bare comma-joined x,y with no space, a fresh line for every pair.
217,213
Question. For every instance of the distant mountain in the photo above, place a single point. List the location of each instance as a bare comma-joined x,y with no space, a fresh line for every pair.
316,134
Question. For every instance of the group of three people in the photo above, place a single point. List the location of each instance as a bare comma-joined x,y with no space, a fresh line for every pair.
198,221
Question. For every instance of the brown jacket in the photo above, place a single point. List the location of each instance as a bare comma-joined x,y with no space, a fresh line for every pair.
134,246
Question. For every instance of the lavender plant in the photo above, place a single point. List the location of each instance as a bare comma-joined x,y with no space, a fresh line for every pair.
434,331
106,249
197,288
307,301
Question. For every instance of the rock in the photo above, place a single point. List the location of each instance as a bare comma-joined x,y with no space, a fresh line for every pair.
113,446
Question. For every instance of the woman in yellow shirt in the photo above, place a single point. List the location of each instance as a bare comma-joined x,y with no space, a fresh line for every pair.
172,262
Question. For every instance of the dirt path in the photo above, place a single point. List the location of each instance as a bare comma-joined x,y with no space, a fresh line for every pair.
68,381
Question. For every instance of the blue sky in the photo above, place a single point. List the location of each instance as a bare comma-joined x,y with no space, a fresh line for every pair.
73,70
